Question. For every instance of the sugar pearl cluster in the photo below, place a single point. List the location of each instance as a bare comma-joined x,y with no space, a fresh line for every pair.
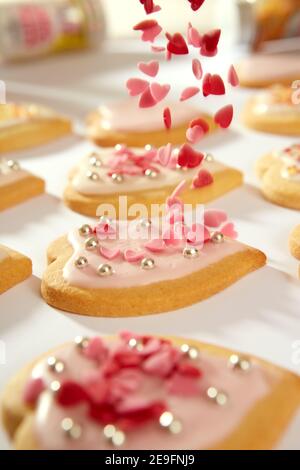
8,166
176,368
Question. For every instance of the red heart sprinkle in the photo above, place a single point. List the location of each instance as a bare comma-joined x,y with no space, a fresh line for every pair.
197,69
213,85
224,116
200,122
147,100
206,84
136,86
167,118
209,43
204,178
144,25
233,78
196,4
177,44
188,157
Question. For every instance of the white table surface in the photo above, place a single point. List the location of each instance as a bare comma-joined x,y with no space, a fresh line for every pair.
260,314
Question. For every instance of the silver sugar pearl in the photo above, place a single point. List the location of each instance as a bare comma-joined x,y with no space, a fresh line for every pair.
105,270
175,427
55,365
92,175
148,147
147,264
105,220
190,351
55,386
152,174
85,230
166,419
190,253
13,165
145,223
217,237
81,262
70,428
209,158
82,342
114,435
95,161
218,396
137,344
117,178
91,243
239,363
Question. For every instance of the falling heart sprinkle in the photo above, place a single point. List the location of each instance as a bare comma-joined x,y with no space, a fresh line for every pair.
147,100
194,134
150,30
233,78
193,36
224,116
197,69
196,4
209,43
158,49
167,117
159,92
188,157
136,86
149,68
204,178
200,122
177,44
189,92
213,85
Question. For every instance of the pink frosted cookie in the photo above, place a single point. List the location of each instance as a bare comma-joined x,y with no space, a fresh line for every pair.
135,392
16,184
126,123
146,266
146,176
275,110
14,268
279,173
263,70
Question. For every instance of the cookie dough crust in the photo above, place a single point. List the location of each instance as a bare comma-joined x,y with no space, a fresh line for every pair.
142,300
14,269
253,433
20,191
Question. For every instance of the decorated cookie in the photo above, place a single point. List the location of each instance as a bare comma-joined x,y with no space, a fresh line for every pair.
274,110
25,126
294,243
128,124
146,176
147,265
14,268
16,184
134,392
279,173
263,70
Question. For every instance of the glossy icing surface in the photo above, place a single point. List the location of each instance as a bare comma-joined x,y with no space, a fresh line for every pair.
169,263
261,67
291,160
134,178
10,174
204,423
275,101
126,116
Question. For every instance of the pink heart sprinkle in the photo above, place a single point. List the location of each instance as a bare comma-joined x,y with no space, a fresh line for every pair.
214,218
156,245
193,36
136,86
189,92
197,69
109,254
194,134
204,178
149,68
164,154
159,92
229,231
150,34
147,100
157,49
233,78
133,256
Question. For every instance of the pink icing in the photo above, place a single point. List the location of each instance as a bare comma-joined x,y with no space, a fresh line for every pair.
167,174
10,176
128,117
270,67
169,264
204,424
